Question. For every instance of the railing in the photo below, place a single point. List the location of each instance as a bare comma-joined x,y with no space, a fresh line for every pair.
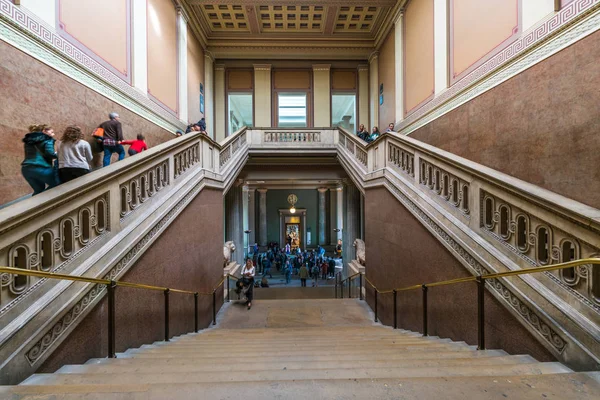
479,279
348,281
111,288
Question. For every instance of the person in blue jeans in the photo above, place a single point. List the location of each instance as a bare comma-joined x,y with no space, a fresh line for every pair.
38,166
288,272
113,134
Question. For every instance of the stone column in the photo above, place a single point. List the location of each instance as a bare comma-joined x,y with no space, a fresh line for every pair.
246,216
332,216
262,216
252,215
399,64
374,85
220,124
339,212
322,216
363,96
182,64
234,221
139,59
322,95
209,101
262,95
352,224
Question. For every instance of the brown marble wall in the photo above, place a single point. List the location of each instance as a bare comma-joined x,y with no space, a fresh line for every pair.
188,256
401,252
540,126
32,92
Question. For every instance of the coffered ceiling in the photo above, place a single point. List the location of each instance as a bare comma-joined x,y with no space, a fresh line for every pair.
244,28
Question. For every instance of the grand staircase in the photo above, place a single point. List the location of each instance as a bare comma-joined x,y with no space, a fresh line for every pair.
308,349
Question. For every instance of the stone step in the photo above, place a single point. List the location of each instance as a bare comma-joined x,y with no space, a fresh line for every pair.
163,360
260,365
282,375
241,352
296,345
579,386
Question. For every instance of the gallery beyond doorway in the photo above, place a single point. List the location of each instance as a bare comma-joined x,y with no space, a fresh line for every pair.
292,228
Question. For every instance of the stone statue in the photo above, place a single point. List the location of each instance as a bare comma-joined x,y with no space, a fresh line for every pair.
228,249
360,251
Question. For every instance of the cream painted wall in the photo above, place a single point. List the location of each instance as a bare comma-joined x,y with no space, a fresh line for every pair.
209,100
534,11
363,95
195,76
374,90
45,9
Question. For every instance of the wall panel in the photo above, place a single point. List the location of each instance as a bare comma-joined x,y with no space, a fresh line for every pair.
343,80
479,29
83,22
419,68
240,79
387,78
162,53
291,79
195,77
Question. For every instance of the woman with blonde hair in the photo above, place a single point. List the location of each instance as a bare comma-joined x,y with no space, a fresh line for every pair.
37,167
74,155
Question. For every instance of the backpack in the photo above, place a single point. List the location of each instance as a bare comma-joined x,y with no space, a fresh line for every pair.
98,136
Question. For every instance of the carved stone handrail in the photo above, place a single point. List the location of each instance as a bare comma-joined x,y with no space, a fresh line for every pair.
97,226
493,222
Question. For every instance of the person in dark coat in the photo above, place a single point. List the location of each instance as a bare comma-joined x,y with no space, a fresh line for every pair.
38,166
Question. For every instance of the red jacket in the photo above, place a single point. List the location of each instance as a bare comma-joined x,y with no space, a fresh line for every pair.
137,145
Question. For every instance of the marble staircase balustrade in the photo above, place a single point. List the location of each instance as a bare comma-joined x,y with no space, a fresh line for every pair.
493,222
96,226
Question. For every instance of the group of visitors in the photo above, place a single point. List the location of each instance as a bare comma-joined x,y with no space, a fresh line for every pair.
302,264
49,162
364,134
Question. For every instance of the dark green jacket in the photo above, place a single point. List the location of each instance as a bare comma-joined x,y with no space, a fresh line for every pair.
39,150
303,272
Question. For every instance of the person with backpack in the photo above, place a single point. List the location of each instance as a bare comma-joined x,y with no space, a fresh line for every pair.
74,155
267,267
136,146
38,167
112,134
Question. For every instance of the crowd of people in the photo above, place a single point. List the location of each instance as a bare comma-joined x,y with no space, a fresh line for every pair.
364,134
49,162
304,265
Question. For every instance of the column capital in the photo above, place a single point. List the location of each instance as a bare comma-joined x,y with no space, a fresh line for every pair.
219,67
337,189
363,68
208,56
399,15
374,56
262,190
322,190
262,67
321,67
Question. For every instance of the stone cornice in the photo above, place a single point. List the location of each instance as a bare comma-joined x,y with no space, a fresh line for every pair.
321,67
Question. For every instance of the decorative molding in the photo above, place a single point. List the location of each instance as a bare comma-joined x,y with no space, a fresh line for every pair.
536,322
29,34
532,42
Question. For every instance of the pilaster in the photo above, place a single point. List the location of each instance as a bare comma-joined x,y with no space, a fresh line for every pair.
182,65
219,104
209,101
363,95
139,59
374,86
262,95
399,64
440,17
322,94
